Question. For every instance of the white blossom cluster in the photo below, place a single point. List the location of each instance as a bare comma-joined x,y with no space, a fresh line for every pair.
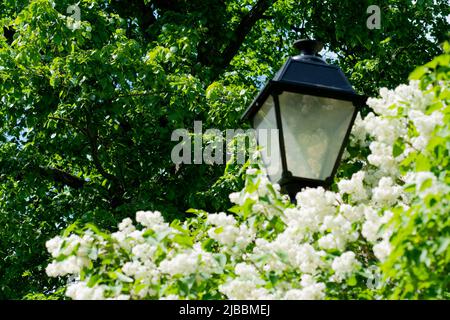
269,248
227,233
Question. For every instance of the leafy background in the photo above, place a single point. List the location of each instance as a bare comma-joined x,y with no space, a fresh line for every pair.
87,112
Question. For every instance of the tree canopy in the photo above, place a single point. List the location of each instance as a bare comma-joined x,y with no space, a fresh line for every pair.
87,107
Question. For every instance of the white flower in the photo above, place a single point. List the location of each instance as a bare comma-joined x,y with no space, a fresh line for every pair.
70,265
328,242
316,198
385,130
258,207
235,197
425,124
227,233
245,270
382,250
373,223
245,289
149,219
409,95
386,194
190,262
307,259
344,265
425,183
352,213
80,291
53,246
143,251
311,290
221,219
359,132
382,157
354,186
126,226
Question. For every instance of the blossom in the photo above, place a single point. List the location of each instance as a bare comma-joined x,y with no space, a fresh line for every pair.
373,223
53,246
221,219
426,183
382,157
71,265
385,130
126,225
354,186
359,132
235,197
352,213
344,265
386,193
238,289
382,250
80,291
149,219
190,262
246,286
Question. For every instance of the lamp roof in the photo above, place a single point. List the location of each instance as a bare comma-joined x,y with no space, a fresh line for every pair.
307,73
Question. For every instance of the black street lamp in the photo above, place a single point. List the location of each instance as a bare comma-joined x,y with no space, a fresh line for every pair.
313,106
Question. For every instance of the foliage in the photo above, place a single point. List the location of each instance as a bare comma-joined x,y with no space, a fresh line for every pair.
420,261
88,106
383,233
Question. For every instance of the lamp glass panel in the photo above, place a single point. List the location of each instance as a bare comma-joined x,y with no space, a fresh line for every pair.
267,134
314,129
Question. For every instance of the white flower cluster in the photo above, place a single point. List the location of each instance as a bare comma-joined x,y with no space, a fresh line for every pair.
227,233
344,265
311,290
79,251
354,187
407,104
190,262
247,285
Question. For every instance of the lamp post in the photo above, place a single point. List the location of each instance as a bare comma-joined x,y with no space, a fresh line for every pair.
313,107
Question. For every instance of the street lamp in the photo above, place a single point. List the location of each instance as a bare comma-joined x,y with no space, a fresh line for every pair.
313,106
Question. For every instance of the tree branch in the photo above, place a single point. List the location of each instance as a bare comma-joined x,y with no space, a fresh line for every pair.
92,140
61,177
240,33
117,189
68,121
92,137
55,174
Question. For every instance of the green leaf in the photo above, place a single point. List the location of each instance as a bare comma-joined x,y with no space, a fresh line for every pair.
444,243
422,163
426,184
208,244
218,230
352,281
418,73
183,240
221,259
399,147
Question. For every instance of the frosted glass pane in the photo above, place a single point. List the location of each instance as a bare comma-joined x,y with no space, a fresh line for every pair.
265,125
314,129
